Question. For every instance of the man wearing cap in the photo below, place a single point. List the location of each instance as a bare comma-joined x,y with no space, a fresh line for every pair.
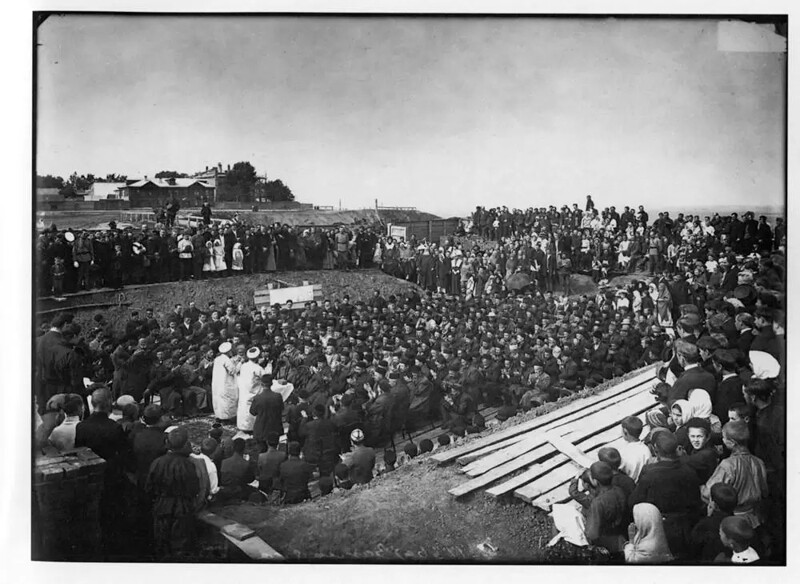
362,460
729,390
224,388
248,382
173,484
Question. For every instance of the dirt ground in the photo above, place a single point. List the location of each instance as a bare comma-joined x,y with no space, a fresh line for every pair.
406,515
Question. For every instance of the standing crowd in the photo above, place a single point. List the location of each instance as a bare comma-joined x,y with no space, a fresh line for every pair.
340,379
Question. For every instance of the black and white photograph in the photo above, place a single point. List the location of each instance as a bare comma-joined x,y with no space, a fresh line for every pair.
408,288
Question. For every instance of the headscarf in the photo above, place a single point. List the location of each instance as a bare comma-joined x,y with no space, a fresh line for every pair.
686,410
764,365
649,545
656,419
699,404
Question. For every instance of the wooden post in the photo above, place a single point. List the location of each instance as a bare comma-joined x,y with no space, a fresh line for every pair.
430,231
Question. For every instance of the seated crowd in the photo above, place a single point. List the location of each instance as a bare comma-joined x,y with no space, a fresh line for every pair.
341,379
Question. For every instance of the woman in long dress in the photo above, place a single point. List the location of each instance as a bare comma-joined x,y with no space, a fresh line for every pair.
219,257
664,305
271,265
249,384
224,389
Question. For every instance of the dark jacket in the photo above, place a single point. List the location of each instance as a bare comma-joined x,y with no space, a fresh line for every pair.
267,407
694,378
362,462
106,438
173,484
148,444
294,475
320,445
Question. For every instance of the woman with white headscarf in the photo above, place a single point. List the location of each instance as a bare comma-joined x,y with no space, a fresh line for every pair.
647,541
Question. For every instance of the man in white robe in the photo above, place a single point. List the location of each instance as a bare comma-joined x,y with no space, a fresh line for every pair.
224,390
249,382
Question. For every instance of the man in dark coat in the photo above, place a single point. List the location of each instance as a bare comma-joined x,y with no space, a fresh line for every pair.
729,390
321,445
293,475
269,463
267,407
174,486
362,460
107,439
693,376
148,443
674,489
236,474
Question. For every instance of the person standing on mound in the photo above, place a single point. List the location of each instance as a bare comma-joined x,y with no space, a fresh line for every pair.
224,389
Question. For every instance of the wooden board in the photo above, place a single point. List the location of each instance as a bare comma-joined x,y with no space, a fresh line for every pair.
556,489
544,450
536,437
255,548
590,446
568,448
592,423
647,375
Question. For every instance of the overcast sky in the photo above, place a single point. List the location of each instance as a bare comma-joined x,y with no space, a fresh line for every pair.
439,113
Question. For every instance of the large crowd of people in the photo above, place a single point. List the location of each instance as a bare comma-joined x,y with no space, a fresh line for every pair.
70,260
313,391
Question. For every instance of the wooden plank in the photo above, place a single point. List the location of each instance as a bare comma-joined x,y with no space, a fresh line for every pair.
238,531
590,424
552,480
646,375
546,502
590,446
568,448
545,450
581,414
213,519
255,548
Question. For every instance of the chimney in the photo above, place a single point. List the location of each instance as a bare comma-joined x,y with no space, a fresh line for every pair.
220,166
145,177
206,168
229,168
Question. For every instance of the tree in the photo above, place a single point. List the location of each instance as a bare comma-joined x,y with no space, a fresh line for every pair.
171,174
239,184
49,182
115,178
275,191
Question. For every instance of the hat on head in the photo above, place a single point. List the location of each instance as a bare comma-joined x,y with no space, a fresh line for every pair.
225,347
357,436
253,353
125,400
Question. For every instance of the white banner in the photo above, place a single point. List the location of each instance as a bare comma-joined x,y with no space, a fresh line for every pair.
397,231
297,294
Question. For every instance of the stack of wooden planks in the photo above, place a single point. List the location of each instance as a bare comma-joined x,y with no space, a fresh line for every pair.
536,460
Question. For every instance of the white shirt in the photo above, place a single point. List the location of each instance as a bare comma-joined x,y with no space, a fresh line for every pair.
747,556
212,473
634,456
63,435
